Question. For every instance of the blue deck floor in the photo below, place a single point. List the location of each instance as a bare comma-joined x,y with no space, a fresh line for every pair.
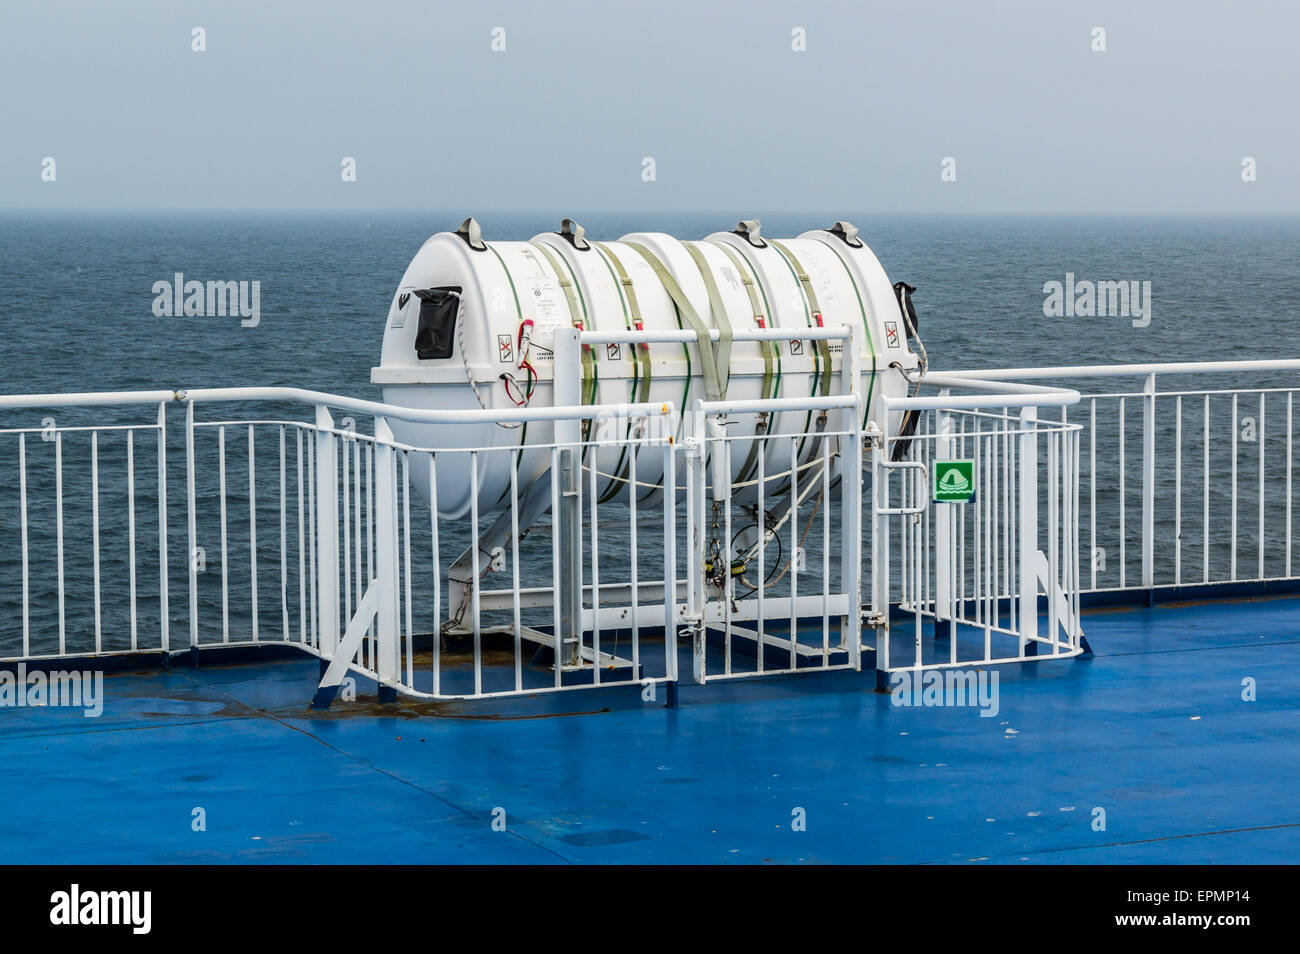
1153,729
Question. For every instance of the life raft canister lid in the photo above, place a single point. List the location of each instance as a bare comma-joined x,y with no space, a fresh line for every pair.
472,234
847,232
749,230
574,232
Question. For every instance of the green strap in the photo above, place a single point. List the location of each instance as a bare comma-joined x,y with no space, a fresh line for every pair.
640,361
719,310
708,361
823,347
866,326
760,318
823,353
632,316
588,362
751,460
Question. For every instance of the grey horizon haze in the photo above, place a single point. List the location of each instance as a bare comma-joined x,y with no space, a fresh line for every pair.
732,115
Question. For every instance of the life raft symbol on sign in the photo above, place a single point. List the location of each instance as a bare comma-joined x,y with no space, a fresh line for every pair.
796,347
891,333
506,347
613,350
954,481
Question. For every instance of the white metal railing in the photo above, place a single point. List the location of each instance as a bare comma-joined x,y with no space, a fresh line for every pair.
746,614
305,532
1182,486
969,576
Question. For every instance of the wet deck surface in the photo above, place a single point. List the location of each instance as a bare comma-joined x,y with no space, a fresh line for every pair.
1153,730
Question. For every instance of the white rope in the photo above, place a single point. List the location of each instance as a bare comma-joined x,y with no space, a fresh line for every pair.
469,375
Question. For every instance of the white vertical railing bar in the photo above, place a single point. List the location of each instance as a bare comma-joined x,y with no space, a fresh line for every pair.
1053,558
327,534
22,509
284,542
1092,489
164,611
990,534
1148,482
302,554
556,620
225,549
252,529
309,447
1123,501
595,571
406,567
474,578
634,559
191,528
670,559
1028,526
370,526
826,549
723,572
94,533
1205,497
382,570
436,654
977,532
1263,443
130,530
794,551
514,573
58,507
1178,490
762,538
1289,436
1232,573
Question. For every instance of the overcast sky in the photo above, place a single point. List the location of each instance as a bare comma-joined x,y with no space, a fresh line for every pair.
585,90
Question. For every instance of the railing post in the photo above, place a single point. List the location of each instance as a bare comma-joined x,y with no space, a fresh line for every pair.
1148,481
1028,530
327,530
388,650
568,434
670,567
880,550
943,536
164,608
851,501
192,532
568,524
696,601
851,534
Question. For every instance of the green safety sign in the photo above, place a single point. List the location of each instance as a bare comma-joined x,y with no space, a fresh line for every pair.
954,481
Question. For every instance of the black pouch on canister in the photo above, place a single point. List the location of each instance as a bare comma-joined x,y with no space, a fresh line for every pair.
436,331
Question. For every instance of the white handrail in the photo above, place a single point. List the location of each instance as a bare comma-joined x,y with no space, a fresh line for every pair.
1123,370
323,399
999,394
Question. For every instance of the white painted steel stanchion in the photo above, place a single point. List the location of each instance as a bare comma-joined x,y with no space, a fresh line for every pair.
388,666
327,529
1028,530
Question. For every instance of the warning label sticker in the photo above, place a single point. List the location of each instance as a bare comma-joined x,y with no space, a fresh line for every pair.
891,334
796,347
613,350
506,348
